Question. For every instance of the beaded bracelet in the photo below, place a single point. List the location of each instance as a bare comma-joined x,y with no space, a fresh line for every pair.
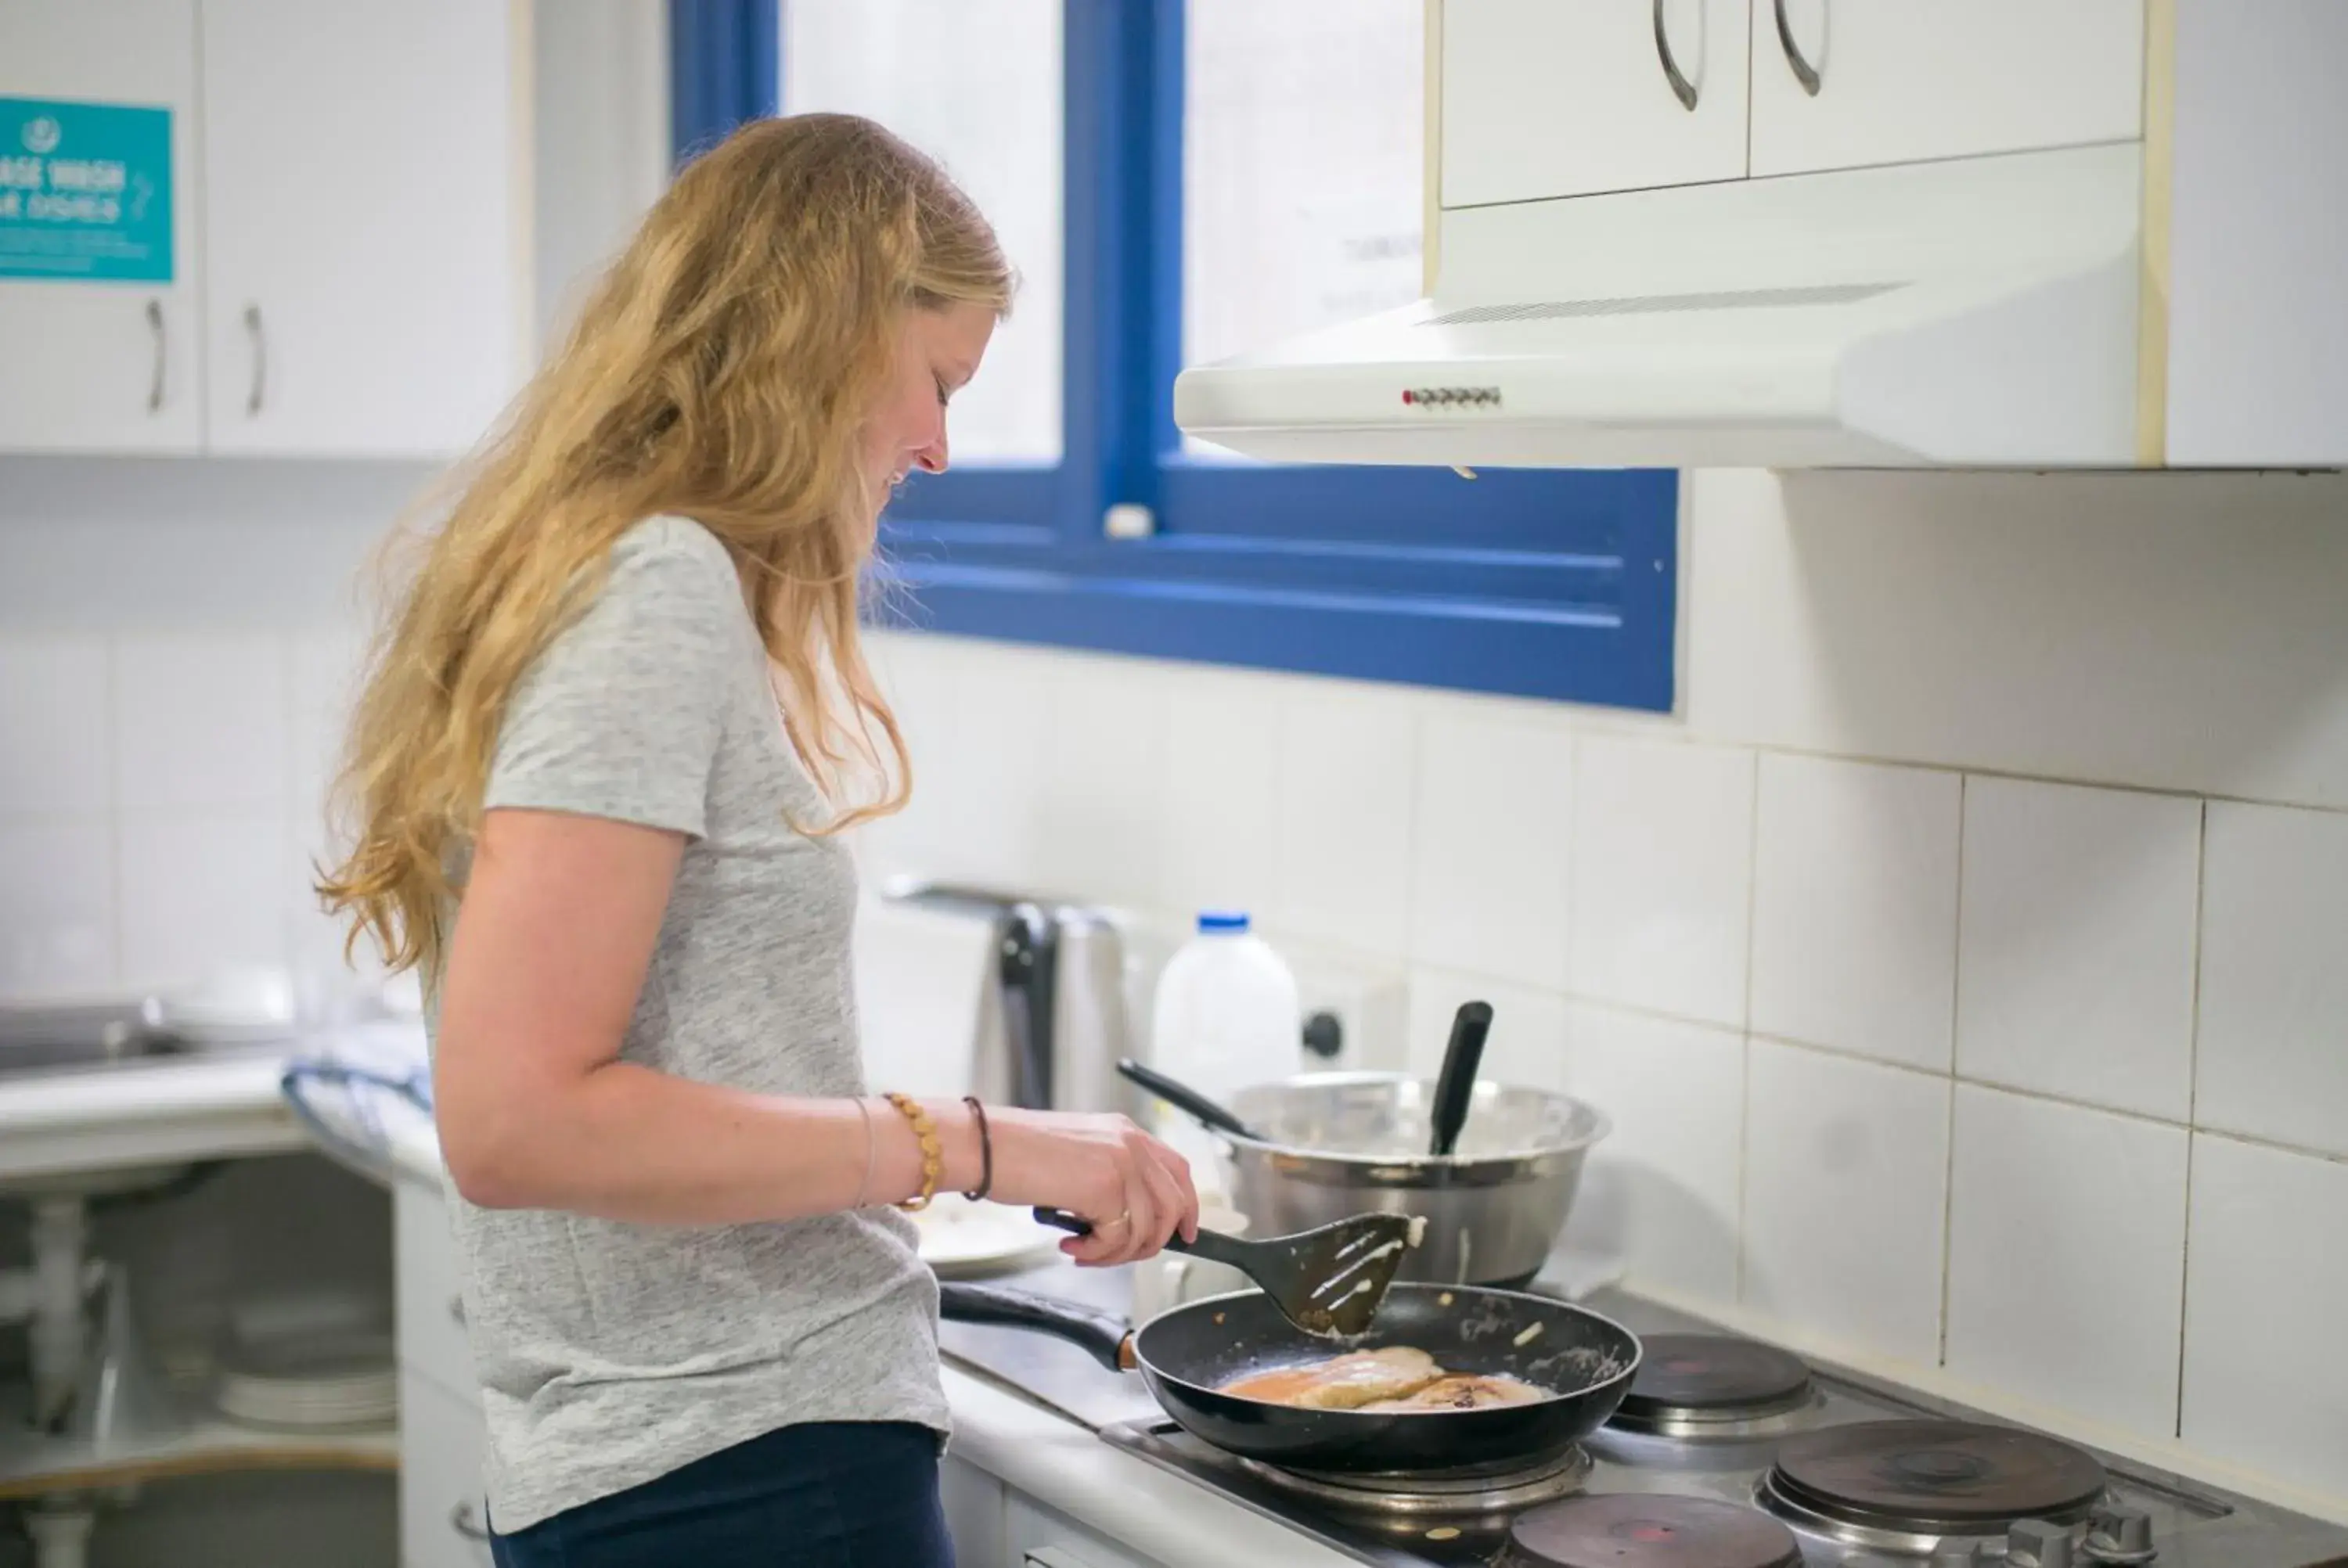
925,1133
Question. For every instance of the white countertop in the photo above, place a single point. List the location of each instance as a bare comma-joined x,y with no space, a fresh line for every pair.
203,1106
1153,1512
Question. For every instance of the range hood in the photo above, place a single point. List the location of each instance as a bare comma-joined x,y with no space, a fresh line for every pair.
1974,312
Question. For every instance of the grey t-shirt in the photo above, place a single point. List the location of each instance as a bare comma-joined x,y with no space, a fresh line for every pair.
610,1354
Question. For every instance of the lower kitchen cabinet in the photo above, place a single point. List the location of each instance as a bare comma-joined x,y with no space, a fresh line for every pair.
975,1513
1036,1537
429,1300
443,1517
994,1526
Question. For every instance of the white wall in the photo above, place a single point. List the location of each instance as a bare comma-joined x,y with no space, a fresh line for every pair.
172,638
176,636
1966,969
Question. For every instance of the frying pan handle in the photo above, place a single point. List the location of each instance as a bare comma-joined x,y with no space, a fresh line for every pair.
1182,1097
1100,1335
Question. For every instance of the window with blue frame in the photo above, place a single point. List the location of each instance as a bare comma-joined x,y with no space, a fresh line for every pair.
1177,180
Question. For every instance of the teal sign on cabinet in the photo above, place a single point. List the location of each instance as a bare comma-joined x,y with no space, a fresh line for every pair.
85,192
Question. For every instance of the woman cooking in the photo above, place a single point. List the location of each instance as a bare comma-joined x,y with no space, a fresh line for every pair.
598,774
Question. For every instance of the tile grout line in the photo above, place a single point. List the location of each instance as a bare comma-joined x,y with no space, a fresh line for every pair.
1614,725
2192,1115
1415,728
1956,1011
2268,1145
1384,962
117,934
1414,840
1672,729
1573,855
1745,1033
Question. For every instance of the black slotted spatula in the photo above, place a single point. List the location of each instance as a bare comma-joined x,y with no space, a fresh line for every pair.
1328,1281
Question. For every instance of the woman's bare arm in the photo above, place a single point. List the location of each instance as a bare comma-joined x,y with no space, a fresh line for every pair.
551,946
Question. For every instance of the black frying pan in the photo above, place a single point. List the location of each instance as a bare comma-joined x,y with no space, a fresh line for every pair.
1186,1354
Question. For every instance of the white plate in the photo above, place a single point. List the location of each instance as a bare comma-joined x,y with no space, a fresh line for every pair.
959,1236
322,1378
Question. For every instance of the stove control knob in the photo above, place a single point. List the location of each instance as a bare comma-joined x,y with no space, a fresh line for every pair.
2034,1544
2120,1536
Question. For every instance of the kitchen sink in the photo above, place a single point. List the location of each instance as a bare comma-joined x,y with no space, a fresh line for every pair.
84,1037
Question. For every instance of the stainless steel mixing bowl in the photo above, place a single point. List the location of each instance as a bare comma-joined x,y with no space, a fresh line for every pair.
1341,1144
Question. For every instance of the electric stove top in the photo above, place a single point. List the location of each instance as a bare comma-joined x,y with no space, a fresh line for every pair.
1729,1453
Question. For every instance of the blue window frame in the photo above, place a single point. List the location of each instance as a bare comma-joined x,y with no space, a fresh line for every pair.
1532,582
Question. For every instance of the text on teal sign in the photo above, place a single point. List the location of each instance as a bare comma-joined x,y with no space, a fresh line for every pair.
85,192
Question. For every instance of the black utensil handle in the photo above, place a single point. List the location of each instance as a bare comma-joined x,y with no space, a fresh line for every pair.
1100,1335
1182,1097
1212,1244
1456,1086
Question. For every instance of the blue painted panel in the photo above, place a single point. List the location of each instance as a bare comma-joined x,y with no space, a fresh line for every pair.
1468,645
725,61
1535,583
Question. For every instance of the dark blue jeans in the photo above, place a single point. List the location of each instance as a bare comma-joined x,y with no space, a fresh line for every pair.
823,1495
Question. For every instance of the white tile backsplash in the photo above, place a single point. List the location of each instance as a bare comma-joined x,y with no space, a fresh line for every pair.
56,907
2066,1257
201,891
326,669
1104,782
1527,1044
1489,891
1855,907
2170,630
1846,1165
984,811
2272,1060
1877,666
201,719
1660,1190
1220,841
2074,954
916,675
1347,763
2265,1385
56,726
1662,871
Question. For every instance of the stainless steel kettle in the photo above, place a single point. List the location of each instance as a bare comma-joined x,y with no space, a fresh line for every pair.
1055,1018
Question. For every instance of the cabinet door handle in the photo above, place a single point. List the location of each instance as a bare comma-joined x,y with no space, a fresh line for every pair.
460,1520
260,360
1682,88
155,386
1804,72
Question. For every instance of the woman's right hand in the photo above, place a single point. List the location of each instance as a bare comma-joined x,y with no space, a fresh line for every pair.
1134,1190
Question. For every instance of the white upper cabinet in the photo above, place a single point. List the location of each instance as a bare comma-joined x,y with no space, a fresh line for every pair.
1542,99
1843,84
1944,233
98,305
366,224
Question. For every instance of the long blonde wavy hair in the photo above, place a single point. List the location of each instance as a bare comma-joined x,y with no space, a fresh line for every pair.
721,369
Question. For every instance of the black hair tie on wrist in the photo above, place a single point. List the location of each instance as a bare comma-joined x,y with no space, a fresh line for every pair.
985,1151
